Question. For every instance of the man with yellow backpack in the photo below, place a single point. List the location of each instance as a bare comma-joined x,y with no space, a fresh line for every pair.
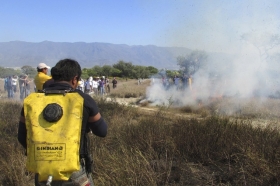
54,126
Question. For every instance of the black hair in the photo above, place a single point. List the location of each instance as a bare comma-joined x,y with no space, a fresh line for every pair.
66,70
40,69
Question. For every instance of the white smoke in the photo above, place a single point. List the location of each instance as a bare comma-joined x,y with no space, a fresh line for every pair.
241,56
243,75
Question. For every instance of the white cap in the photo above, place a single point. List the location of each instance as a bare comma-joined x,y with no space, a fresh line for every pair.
43,65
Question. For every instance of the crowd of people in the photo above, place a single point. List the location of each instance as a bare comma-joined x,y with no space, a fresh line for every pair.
13,84
96,85
180,82
92,85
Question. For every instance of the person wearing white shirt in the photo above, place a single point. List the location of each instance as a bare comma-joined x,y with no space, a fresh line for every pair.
14,83
81,84
88,86
95,86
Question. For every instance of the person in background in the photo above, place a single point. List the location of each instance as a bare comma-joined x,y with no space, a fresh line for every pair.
104,85
14,83
101,86
42,76
68,121
107,81
98,87
27,87
22,86
88,86
95,86
10,87
190,80
5,83
114,83
90,81
176,82
81,85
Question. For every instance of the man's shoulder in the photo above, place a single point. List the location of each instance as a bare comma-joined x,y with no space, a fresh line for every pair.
45,76
87,98
41,74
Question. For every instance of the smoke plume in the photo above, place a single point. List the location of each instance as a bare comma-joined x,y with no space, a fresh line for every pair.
243,56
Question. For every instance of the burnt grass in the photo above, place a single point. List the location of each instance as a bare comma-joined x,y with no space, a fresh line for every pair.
162,149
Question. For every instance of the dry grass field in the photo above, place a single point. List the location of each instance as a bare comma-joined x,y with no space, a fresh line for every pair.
129,89
203,144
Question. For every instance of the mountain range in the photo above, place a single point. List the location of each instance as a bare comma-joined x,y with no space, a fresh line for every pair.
20,53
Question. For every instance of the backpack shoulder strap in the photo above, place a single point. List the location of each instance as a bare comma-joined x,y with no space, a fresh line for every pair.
56,91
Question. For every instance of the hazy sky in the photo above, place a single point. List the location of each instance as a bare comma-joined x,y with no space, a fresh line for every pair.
197,24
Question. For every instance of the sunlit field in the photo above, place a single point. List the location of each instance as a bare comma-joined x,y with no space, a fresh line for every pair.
207,143
130,88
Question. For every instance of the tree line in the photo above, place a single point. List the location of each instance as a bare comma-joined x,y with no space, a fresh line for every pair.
121,69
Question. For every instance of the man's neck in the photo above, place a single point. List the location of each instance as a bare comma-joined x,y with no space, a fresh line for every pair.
66,82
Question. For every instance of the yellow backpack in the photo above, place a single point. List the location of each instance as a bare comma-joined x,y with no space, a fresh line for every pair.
53,122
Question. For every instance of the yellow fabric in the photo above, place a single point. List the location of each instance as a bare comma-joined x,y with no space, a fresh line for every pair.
40,79
53,148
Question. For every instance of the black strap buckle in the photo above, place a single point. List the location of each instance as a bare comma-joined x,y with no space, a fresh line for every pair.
56,91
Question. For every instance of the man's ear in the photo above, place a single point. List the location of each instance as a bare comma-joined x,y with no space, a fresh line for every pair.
74,80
